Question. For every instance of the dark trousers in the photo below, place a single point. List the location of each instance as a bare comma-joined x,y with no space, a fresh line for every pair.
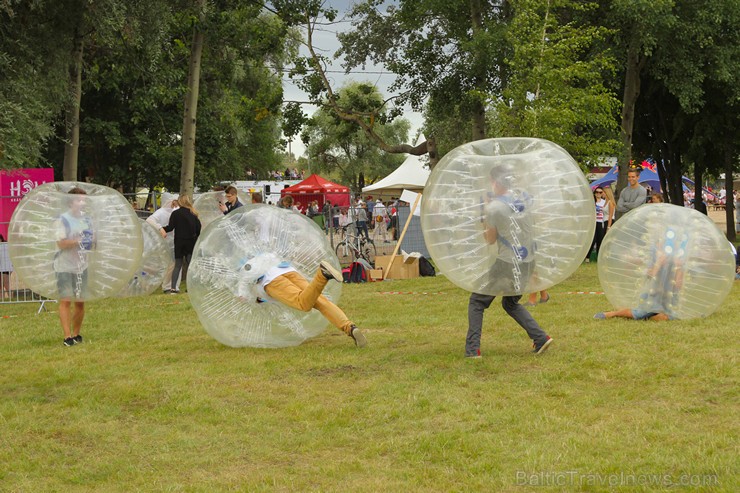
478,303
599,234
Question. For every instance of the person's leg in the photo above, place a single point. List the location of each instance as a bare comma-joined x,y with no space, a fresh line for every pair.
5,284
523,318
621,313
599,236
532,300
77,317
334,314
65,317
660,317
294,290
185,265
477,304
167,279
176,274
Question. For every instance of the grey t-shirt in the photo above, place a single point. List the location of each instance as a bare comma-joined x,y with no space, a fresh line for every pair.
510,215
631,198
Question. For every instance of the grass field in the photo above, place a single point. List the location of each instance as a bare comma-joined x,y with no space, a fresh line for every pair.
151,403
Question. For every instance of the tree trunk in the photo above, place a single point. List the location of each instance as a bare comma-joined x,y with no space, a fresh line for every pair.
629,101
698,191
187,173
729,203
479,109
72,113
432,151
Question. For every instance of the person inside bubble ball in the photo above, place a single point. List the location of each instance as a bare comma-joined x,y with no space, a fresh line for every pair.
75,238
232,200
159,219
269,279
663,282
508,225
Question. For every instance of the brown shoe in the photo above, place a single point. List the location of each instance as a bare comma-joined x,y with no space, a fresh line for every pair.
330,272
358,336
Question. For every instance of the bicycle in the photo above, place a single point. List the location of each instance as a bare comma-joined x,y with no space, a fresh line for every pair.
355,246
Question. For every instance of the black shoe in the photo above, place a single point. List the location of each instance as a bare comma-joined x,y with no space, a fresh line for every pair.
542,347
174,291
330,272
69,341
358,336
77,339
166,291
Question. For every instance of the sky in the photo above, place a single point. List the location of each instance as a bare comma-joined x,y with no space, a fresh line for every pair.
325,42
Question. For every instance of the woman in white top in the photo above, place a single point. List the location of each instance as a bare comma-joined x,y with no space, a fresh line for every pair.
604,209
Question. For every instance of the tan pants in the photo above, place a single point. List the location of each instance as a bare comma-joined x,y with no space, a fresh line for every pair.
294,290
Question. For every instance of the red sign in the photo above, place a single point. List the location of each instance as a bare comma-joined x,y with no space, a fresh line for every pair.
14,184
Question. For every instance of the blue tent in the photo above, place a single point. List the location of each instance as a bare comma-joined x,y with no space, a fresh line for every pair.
647,177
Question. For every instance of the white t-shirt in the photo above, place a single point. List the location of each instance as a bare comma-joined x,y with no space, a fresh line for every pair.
73,260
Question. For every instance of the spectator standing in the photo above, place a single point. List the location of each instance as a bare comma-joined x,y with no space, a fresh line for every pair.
186,225
633,195
232,200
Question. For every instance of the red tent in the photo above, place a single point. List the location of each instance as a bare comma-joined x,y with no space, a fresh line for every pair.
316,188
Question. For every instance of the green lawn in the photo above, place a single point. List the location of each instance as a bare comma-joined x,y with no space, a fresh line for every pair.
151,403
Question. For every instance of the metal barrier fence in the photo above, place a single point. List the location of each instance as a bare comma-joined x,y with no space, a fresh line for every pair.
11,289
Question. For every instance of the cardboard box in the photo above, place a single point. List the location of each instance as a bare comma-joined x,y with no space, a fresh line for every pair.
400,270
375,274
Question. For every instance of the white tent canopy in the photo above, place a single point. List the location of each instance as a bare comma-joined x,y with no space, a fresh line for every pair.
411,175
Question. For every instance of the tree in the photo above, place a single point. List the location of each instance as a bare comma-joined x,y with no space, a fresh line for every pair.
637,24
556,88
33,77
336,145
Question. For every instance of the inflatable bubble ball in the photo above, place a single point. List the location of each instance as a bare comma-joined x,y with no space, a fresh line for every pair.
207,205
156,258
662,258
233,252
81,246
507,216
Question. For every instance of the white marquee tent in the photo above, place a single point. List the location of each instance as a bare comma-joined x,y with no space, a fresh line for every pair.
411,175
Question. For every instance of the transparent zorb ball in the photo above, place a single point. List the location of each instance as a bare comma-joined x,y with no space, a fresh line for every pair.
507,216
155,261
107,241
233,252
662,258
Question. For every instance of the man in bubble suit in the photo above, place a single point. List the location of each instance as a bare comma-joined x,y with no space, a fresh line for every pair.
508,225
268,279
75,239
663,282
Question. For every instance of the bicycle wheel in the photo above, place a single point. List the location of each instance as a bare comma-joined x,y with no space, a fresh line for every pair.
344,252
368,252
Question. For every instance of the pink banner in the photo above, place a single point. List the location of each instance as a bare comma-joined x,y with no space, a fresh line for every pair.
14,184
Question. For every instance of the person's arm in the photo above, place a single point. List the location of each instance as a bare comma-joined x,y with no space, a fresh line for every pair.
638,201
610,208
490,234
621,201
171,224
